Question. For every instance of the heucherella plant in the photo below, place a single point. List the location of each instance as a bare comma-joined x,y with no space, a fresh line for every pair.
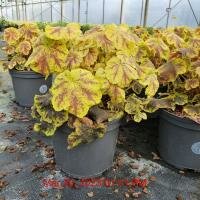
109,71
19,45
181,77
96,71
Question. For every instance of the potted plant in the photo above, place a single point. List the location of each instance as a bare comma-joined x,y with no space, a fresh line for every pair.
179,129
27,81
87,100
3,25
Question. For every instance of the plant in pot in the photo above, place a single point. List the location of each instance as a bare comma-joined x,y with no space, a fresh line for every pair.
179,129
27,81
87,100
3,25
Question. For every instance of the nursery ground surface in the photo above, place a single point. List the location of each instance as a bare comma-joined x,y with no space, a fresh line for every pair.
26,160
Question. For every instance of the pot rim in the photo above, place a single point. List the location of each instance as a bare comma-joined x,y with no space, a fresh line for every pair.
179,121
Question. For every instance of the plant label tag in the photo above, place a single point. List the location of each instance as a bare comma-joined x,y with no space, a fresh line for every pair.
196,148
43,89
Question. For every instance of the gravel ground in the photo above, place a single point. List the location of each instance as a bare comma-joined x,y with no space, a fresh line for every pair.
26,159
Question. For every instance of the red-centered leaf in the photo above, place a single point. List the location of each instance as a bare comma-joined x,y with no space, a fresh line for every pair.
194,43
38,61
91,57
9,49
98,35
74,59
24,47
11,35
75,91
121,70
173,40
46,59
16,60
116,94
170,70
192,83
121,36
56,33
73,31
183,32
158,48
70,32
29,31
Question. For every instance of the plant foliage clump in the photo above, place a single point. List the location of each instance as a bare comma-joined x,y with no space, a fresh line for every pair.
111,70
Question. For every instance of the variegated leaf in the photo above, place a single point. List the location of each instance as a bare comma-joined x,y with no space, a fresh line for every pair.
75,91
121,36
193,112
116,94
170,70
48,59
85,132
24,48
158,48
29,32
70,32
11,35
121,70
74,59
192,83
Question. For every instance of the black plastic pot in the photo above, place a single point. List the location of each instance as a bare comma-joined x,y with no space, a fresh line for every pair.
179,141
86,160
27,84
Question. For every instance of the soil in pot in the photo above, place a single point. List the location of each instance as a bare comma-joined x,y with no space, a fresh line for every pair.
179,141
27,84
86,160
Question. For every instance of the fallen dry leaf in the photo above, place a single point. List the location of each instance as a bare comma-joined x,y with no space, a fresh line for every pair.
24,193
155,156
2,174
90,194
136,194
120,161
145,191
18,170
134,165
43,194
143,172
2,116
11,149
40,143
49,165
3,184
9,134
131,154
49,152
126,194
152,178
116,190
24,141
179,197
